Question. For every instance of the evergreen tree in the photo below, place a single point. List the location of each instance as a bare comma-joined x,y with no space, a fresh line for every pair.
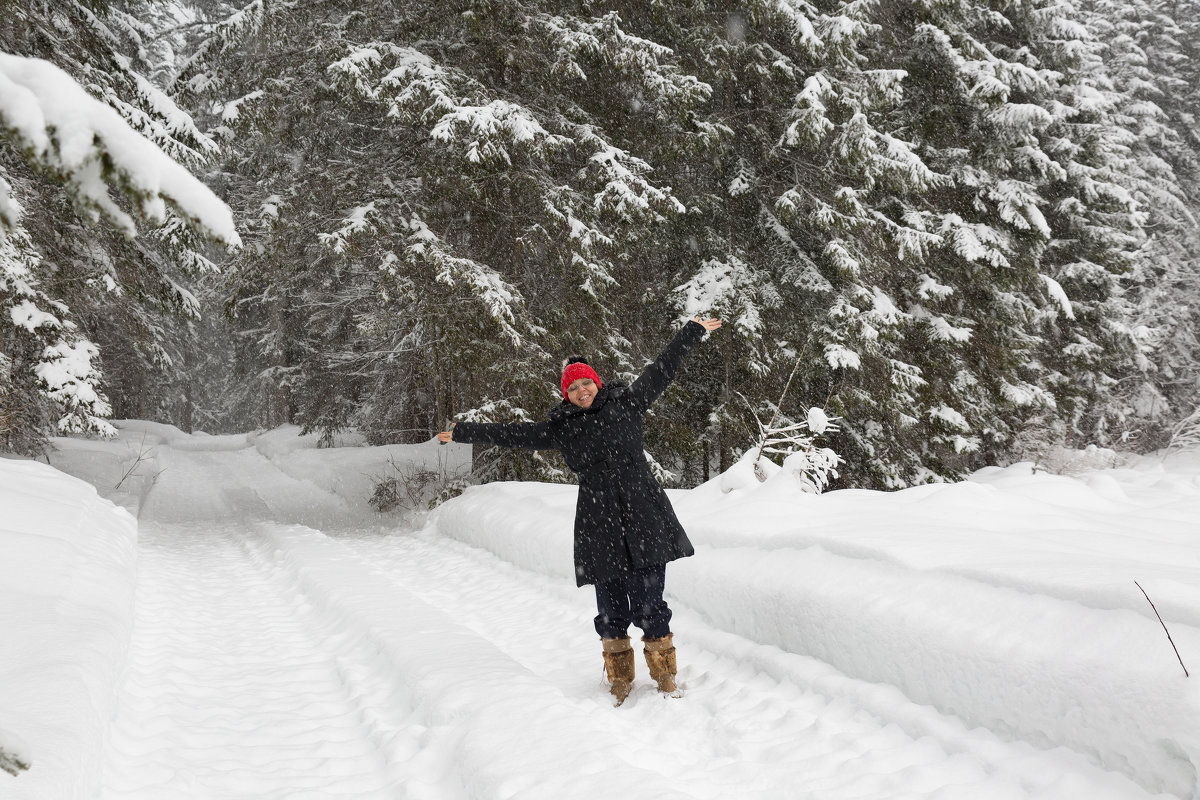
1145,50
963,215
78,170
435,204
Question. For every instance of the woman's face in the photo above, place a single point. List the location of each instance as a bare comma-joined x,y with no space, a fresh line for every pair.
582,392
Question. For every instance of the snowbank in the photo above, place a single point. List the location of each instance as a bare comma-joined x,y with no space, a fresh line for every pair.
67,566
125,469
350,469
1007,600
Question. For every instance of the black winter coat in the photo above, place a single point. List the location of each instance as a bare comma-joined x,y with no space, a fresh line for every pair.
623,519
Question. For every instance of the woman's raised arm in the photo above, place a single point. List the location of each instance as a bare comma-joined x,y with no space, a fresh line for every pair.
656,377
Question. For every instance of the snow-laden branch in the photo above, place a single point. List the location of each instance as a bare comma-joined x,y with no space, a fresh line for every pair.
1187,433
815,467
54,123
12,754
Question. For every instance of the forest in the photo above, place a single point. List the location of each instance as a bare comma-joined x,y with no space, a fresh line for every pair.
967,227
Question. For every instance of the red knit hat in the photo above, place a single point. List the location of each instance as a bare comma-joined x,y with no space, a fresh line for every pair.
574,372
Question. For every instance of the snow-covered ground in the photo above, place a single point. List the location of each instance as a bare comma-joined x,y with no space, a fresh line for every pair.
261,633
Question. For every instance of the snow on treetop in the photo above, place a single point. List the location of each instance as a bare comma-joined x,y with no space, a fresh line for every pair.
63,127
497,117
838,356
233,109
10,209
354,223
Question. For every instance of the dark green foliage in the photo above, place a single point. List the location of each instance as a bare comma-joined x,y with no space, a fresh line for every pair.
123,299
965,216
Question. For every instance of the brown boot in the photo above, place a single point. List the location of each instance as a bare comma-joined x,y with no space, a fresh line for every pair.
660,658
618,664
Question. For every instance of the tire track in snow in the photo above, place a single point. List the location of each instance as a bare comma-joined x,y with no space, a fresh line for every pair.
496,688
937,637
496,729
225,660
264,667
756,721
236,688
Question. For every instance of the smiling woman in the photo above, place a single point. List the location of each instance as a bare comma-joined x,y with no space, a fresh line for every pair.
625,528
580,382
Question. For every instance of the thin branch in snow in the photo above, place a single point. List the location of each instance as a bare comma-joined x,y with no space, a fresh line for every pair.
1164,627
142,455
775,416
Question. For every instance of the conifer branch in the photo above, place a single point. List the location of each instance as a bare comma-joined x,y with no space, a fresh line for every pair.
12,764
1164,627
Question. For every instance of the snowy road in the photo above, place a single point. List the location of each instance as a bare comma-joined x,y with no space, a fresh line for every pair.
234,688
284,649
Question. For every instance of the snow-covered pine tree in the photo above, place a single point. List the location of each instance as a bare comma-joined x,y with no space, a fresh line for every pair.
1148,54
946,203
963,377
1096,224
80,170
1038,226
1141,47
806,223
932,198
436,201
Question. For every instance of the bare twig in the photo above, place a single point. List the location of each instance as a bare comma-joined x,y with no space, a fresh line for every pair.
786,386
1164,626
141,456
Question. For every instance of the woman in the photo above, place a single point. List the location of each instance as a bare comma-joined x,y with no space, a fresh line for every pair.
625,528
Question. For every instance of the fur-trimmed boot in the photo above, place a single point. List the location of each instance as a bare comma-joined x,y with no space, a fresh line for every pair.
618,665
660,658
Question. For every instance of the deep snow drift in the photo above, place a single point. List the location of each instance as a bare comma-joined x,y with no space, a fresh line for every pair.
976,640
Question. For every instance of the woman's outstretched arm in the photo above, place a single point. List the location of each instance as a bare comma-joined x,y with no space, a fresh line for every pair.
526,435
656,377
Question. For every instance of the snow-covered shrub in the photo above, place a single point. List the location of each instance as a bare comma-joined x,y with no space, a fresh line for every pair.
1187,433
450,489
816,467
409,487
1067,461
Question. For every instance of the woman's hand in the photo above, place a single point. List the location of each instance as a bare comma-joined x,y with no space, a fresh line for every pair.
709,325
447,436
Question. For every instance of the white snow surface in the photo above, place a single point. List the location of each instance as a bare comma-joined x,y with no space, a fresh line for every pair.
261,633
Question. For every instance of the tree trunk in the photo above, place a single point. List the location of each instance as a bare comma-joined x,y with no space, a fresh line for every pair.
186,409
726,440
440,380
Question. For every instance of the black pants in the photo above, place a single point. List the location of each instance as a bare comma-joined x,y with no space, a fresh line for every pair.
637,599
